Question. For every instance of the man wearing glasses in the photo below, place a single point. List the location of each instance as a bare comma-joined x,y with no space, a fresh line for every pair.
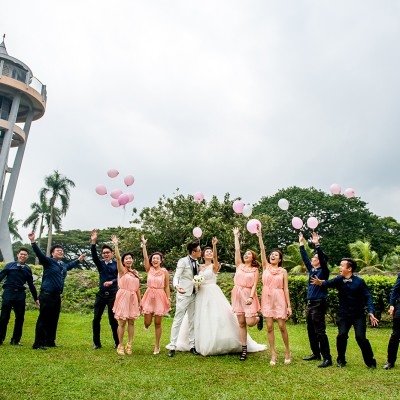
186,269
108,286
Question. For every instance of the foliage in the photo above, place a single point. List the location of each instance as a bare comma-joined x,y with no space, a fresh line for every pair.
363,255
168,226
341,221
13,226
57,186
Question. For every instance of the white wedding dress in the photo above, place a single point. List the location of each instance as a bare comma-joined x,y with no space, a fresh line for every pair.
216,327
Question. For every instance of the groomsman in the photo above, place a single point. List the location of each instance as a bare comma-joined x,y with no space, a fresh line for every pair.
54,274
394,312
316,303
17,274
186,269
108,288
354,296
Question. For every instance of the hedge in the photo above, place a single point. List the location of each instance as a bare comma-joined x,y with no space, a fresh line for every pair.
81,287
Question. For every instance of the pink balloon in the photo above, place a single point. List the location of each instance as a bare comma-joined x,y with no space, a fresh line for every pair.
335,188
198,196
349,192
252,225
128,180
112,173
297,223
123,199
312,223
197,232
101,190
115,203
131,197
116,193
238,206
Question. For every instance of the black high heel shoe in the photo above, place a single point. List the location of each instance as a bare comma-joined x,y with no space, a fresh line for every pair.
243,356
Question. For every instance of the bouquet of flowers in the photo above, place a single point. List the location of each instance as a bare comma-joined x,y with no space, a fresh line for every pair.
197,280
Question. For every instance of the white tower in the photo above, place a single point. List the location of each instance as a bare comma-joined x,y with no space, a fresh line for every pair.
22,100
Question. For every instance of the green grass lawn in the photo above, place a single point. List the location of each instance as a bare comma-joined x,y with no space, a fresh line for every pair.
75,371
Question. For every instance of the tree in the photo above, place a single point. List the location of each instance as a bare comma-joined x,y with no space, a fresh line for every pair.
57,186
168,226
13,226
363,255
341,221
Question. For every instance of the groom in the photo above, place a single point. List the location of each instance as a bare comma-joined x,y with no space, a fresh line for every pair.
186,269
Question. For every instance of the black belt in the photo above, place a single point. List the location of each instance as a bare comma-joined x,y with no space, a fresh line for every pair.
315,301
15,290
108,293
46,292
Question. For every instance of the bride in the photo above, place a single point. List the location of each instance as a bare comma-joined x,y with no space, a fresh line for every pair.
216,327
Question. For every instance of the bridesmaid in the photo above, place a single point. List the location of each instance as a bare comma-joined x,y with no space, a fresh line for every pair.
245,302
157,299
275,300
127,301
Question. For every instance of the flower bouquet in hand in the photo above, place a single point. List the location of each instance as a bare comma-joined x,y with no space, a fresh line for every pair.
197,281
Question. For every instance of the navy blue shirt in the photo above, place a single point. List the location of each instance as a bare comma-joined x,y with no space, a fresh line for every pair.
17,275
395,295
354,296
107,271
316,292
54,271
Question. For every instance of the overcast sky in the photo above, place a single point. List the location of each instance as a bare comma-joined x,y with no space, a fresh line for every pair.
245,97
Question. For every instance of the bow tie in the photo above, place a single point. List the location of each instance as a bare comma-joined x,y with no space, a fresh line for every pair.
348,280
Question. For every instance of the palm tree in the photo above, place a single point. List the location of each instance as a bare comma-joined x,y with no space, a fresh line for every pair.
13,226
58,187
292,258
41,216
363,255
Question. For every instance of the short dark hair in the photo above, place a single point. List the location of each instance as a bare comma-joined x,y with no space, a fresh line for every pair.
192,246
55,246
106,246
351,263
23,249
159,254
126,254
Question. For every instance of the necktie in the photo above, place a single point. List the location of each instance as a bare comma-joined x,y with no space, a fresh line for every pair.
194,266
348,280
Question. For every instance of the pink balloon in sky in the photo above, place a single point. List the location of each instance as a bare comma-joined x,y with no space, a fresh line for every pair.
112,173
238,206
128,180
335,188
197,232
349,192
312,223
198,196
131,197
115,203
297,223
123,199
101,190
252,225
116,193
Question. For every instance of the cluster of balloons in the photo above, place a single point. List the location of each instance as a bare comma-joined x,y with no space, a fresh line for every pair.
119,198
240,208
336,189
297,222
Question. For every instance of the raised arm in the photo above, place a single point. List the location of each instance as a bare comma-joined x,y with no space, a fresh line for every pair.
93,250
145,256
264,261
216,264
238,257
320,253
303,253
120,267
40,255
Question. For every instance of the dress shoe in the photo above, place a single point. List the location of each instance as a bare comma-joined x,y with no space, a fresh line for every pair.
115,345
14,343
171,353
372,366
388,366
312,357
39,348
95,346
341,364
194,351
325,363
